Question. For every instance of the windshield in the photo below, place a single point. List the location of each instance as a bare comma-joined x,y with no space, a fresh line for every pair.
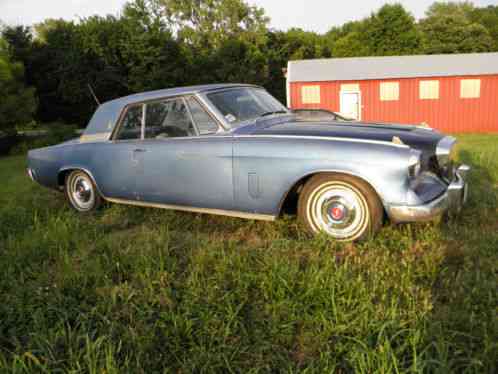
245,103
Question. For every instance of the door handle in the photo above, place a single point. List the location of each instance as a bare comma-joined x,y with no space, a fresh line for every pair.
134,158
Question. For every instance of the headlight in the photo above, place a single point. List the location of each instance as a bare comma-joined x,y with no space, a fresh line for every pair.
414,163
445,154
445,150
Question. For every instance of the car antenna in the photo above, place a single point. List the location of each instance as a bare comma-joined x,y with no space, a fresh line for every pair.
93,94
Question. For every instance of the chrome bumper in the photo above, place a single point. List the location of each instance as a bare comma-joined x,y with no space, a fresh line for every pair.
451,201
31,174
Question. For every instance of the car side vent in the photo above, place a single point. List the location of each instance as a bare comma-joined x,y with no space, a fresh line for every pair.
254,186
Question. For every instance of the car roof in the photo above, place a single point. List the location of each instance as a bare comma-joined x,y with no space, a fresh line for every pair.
106,116
170,92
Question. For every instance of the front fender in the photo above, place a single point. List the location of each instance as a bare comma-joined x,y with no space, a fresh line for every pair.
272,167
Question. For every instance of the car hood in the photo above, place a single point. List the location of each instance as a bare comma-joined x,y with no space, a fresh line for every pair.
423,139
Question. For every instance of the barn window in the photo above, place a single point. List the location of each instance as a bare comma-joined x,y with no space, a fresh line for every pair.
429,90
389,91
470,88
310,94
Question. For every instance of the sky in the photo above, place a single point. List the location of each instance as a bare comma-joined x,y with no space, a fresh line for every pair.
311,15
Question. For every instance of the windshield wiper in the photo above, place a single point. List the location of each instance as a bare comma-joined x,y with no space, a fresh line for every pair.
274,112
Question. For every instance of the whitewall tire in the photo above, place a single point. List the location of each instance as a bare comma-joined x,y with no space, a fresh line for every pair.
81,192
342,206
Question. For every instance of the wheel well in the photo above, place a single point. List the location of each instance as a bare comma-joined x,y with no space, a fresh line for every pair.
290,200
61,177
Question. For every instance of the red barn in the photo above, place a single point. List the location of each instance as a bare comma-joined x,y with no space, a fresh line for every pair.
452,93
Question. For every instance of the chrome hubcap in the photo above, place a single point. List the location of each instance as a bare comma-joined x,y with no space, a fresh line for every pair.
338,210
82,192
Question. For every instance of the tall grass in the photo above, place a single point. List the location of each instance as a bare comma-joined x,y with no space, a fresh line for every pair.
141,290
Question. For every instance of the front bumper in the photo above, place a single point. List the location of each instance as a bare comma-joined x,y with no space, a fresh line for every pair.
451,201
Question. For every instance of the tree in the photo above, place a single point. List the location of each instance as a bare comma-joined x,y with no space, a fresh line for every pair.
18,103
115,55
282,46
338,32
208,23
155,58
488,17
389,31
392,31
61,72
20,40
448,28
351,45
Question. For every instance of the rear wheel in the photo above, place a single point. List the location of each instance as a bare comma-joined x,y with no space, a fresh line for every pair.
81,192
342,206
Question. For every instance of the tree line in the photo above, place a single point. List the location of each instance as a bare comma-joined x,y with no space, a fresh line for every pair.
45,69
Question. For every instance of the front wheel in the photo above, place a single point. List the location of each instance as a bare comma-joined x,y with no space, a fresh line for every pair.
344,207
81,191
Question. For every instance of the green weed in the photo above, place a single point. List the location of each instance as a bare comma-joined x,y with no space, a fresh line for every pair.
143,290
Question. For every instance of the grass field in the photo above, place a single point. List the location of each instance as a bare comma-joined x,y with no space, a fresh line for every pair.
143,290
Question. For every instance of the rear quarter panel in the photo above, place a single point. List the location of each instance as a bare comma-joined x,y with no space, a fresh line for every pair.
48,162
45,164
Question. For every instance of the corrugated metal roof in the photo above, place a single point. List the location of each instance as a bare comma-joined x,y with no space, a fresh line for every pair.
361,68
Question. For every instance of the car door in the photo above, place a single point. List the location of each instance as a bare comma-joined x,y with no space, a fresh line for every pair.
120,162
184,161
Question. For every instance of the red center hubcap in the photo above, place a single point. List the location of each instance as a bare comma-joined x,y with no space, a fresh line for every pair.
337,212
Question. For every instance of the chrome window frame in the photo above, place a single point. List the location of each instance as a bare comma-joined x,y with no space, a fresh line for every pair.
122,116
220,128
203,96
205,106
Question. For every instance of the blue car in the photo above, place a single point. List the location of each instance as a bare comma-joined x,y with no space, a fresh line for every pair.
234,150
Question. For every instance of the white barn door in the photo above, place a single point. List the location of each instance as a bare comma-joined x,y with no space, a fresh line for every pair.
351,104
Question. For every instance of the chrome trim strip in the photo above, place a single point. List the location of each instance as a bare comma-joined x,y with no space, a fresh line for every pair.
31,174
142,121
312,137
215,136
194,125
213,112
220,212
99,137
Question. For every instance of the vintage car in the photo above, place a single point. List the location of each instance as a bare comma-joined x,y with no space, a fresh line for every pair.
234,150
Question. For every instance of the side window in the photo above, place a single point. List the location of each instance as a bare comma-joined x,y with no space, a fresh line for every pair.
168,119
205,124
131,124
